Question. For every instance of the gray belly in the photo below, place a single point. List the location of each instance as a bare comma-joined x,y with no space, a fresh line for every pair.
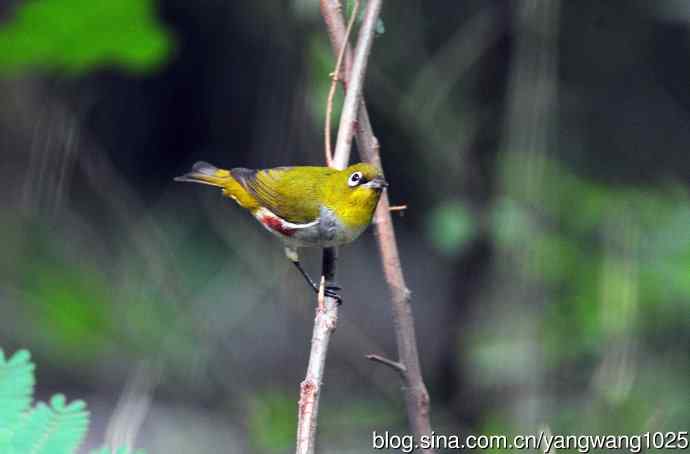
329,231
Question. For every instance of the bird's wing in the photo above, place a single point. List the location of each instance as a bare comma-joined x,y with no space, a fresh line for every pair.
293,193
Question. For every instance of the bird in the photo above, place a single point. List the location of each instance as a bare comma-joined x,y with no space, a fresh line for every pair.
304,206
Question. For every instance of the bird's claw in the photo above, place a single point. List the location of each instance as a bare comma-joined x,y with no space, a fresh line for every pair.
329,291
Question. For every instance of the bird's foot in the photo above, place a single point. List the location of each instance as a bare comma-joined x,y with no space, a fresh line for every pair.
330,290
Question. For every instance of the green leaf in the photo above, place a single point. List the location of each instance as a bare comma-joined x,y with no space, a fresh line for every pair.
58,428
54,429
74,36
16,388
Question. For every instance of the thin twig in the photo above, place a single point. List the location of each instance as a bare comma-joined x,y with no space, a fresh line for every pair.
326,319
398,208
415,392
335,75
395,365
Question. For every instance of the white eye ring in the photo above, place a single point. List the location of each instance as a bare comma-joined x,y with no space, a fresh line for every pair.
354,179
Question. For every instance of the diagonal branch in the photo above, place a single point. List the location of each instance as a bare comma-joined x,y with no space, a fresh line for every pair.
327,313
416,395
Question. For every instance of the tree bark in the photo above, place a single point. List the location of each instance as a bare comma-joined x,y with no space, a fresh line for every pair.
327,310
408,365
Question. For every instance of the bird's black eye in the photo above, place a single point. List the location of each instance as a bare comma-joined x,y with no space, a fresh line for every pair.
355,179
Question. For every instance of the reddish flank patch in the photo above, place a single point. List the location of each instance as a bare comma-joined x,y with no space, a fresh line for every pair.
277,225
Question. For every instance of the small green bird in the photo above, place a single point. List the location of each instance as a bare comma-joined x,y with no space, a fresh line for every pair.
303,206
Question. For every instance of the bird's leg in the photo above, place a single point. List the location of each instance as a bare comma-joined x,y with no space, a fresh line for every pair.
329,290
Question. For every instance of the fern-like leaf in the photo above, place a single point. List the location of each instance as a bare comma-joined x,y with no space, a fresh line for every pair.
55,429
16,388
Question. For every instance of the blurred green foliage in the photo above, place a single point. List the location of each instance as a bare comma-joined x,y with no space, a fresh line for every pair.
450,226
604,274
321,64
64,298
74,36
57,428
272,421
67,303
49,429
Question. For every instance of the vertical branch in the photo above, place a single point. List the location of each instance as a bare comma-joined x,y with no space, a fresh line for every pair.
310,389
327,314
408,365
335,76
355,82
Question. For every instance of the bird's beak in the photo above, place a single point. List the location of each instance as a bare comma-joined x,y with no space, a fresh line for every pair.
378,183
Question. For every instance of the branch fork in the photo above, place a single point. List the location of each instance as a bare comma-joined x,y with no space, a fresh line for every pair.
408,364
326,317
355,119
395,365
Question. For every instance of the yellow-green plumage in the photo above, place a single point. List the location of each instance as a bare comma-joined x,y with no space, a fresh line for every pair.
303,206
290,192
296,194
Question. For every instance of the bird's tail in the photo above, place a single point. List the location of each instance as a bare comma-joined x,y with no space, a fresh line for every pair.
205,173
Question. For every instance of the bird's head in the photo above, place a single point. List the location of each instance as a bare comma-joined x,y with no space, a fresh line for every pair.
353,193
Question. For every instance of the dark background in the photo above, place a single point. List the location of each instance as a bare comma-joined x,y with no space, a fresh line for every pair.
541,148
